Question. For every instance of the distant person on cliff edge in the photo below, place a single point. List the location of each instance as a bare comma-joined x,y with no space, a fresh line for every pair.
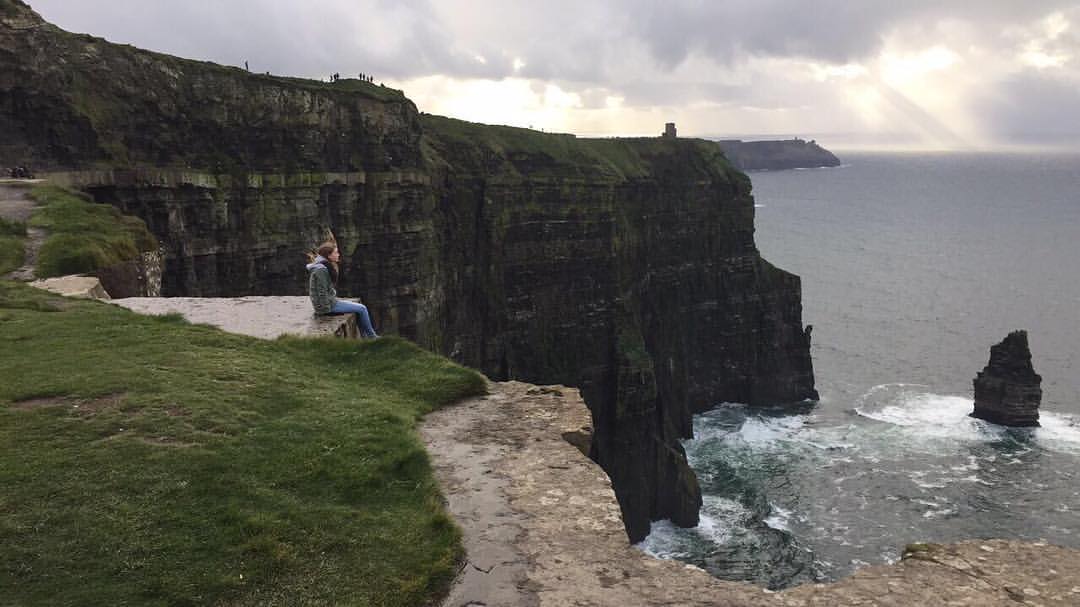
322,278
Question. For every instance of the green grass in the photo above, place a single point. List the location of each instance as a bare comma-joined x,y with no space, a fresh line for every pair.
147,461
84,236
616,158
12,235
12,228
348,85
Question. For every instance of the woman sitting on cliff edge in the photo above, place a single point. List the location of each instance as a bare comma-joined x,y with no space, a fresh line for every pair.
322,278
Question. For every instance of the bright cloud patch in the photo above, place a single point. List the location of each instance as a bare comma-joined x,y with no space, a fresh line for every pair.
902,69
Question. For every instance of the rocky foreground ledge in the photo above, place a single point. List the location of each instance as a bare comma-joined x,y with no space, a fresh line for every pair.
262,317
542,528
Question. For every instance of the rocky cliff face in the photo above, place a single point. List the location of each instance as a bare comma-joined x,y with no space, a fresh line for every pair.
77,101
1008,391
625,267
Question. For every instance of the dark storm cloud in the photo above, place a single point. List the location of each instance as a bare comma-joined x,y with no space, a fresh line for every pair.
758,91
835,31
726,31
387,39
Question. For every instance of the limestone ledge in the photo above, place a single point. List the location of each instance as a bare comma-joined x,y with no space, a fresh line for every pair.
82,287
542,527
263,317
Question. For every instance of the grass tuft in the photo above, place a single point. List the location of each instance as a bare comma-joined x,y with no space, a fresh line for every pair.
12,245
84,236
12,228
12,254
145,460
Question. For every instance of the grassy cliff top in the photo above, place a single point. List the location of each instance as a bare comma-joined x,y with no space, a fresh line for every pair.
460,143
84,236
25,13
144,460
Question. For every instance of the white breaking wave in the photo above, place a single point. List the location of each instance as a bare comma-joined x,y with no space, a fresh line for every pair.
929,415
718,518
779,518
1059,432
664,541
924,414
765,431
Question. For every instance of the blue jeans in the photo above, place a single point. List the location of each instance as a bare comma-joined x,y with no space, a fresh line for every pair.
363,319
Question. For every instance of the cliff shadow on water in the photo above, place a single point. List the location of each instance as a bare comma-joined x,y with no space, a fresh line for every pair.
626,267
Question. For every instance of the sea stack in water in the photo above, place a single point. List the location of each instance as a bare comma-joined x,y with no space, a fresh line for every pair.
1008,391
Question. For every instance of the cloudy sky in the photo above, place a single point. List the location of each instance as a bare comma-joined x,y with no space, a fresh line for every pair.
851,73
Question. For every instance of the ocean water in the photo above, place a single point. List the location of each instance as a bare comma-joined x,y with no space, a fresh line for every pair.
913,265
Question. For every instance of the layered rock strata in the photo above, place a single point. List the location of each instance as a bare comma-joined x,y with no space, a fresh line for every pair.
1008,391
626,267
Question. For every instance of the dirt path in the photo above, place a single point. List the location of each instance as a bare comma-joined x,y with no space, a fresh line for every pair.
495,569
540,521
16,205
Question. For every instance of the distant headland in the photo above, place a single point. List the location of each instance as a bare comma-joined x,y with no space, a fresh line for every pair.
777,155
